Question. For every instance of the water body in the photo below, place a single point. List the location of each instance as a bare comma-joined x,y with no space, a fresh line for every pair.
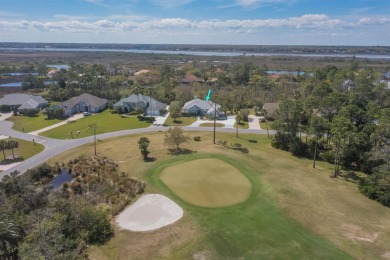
57,182
19,74
58,66
203,53
19,84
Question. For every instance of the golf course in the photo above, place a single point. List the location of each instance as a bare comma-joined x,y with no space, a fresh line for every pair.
261,204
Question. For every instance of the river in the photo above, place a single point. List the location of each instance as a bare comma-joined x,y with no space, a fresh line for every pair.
202,53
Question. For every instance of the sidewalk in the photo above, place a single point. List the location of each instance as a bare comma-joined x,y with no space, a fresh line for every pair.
68,121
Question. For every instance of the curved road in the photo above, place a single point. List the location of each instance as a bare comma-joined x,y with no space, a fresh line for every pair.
54,147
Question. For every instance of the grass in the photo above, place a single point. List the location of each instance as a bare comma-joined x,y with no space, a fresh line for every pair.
181,121
105,121
28,124
294,211
211,125
26,149
242,125
263,125
207,183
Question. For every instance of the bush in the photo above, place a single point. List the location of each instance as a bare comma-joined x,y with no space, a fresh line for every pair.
245,114
5,109
31,112
197,138
114,112
281,141
297,147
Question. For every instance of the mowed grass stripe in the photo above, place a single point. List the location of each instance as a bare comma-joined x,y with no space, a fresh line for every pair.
207,182
254,229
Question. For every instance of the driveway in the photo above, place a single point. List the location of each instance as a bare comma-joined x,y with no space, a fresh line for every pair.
228,123
71,119
253,122
160,120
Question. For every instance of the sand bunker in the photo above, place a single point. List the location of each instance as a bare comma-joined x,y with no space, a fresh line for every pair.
149,212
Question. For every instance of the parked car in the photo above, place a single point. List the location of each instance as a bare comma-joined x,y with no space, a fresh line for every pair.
86,114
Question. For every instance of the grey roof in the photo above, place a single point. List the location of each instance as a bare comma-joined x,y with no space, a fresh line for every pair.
156,105
31,104
141,98
87,98
20,99
202,104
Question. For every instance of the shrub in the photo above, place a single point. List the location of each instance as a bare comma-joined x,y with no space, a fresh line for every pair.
196,138
297,147
245,114
281,141
5,109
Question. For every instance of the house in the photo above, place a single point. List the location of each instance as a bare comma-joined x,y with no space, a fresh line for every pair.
84,103
23,102
386,75
271,108
190,78
348,85
151,106
199,107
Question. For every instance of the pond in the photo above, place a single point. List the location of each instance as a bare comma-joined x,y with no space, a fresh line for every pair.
58,66
19,74
57,182
19,84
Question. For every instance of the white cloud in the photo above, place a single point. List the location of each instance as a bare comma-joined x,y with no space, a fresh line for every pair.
256,3
171,3
122,25
374,21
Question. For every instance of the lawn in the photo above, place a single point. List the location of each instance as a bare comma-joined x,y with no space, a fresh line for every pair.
105,122
293,211
28,124
242,125
26,149
263,125
181,121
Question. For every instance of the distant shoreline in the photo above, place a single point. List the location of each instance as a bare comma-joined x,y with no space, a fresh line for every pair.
207,53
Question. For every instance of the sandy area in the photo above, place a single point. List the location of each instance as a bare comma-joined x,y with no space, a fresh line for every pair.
149,212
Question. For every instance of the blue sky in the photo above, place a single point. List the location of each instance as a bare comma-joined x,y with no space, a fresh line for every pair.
281,22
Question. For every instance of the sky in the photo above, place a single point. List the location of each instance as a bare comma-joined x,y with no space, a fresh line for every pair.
247,22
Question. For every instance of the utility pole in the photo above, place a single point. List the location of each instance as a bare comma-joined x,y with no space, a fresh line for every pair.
93,127
215,119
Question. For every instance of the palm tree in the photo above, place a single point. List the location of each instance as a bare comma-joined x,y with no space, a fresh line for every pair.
12,144
138,90
3,147
9,234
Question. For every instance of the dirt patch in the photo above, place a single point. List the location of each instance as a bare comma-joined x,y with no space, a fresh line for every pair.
356,233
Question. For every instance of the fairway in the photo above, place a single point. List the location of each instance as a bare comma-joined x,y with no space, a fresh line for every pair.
207,182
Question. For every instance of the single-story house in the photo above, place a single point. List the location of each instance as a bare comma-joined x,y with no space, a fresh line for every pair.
271,108
23,102
151,106
199,107
84,103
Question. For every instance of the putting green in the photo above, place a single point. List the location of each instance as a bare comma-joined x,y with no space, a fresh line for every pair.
207,182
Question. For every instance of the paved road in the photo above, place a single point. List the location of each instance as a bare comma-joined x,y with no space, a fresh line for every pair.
54,147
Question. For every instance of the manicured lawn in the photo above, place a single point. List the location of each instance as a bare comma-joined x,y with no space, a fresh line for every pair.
181,121
242,125
263,125
105,121
207,182
211,125
255,229
26,149
28,124
293,211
